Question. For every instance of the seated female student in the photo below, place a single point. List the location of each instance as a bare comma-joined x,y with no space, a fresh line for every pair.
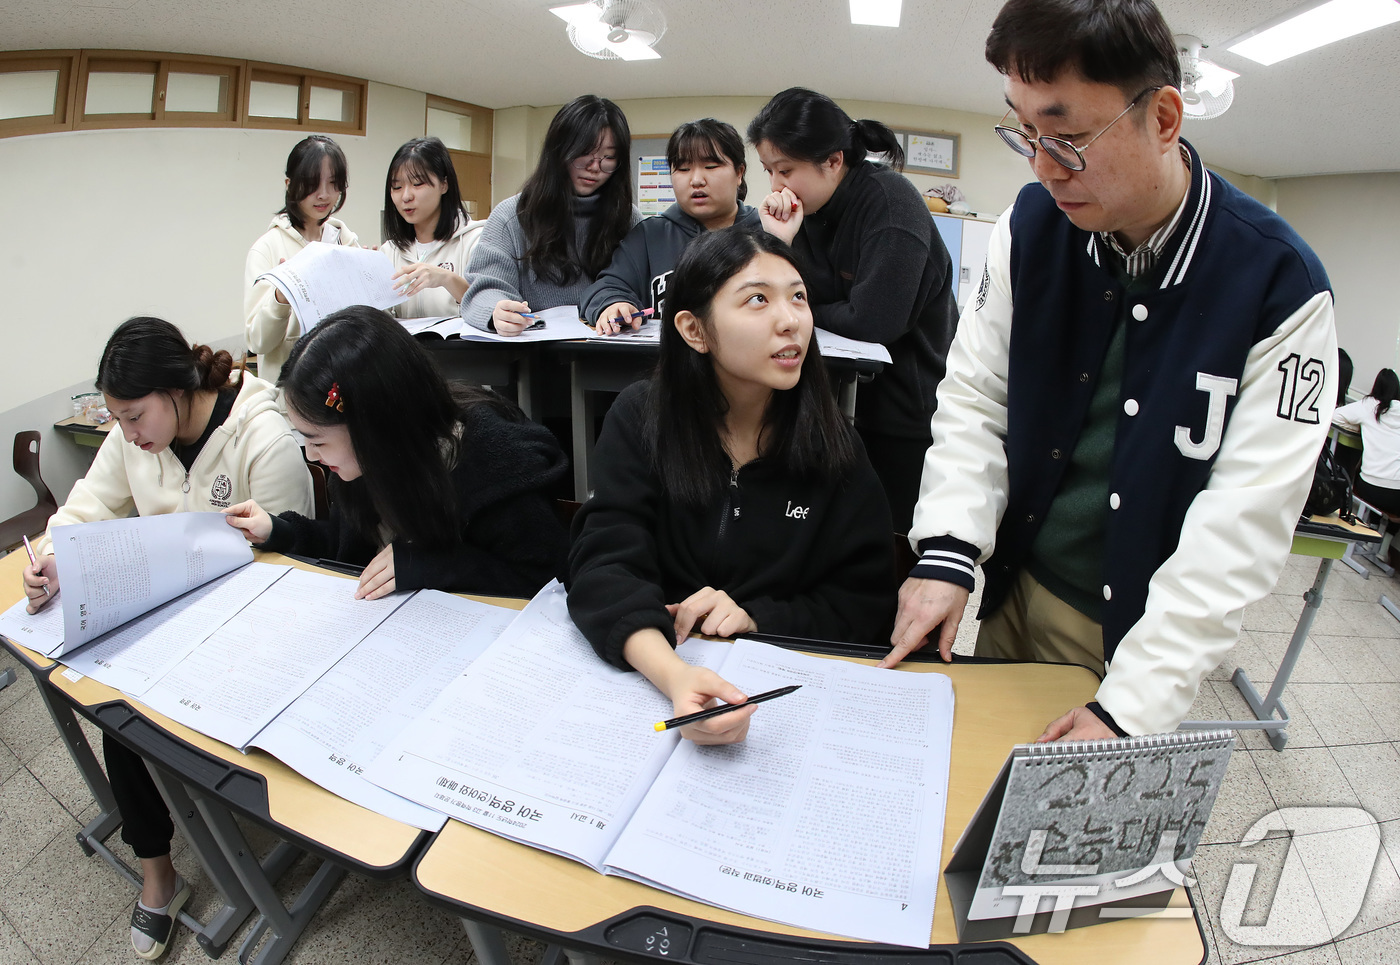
429,236
878,268
1377,418
706,158
192,439
316,183
436,486
543,247
732,496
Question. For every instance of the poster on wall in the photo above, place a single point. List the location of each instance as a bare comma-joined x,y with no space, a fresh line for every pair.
654,191
931,153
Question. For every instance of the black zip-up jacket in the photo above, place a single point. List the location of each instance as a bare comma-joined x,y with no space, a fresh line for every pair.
802,557
645,259
879,272
511,540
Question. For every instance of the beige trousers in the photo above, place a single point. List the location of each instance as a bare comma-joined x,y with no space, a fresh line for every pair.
1034,624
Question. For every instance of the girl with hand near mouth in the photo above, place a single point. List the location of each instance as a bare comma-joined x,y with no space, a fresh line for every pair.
429,235
706,158
543,247
316,182
731,494
879,269
191,439
434,485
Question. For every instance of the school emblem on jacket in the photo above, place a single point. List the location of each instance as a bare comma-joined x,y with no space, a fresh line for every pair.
220,491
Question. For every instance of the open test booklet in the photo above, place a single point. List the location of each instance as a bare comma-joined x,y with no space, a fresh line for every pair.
828,816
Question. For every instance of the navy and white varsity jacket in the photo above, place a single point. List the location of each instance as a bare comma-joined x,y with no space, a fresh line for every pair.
1227,392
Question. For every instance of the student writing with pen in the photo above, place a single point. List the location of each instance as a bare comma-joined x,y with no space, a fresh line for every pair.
434,485
706,158
543,247
191,438
731,495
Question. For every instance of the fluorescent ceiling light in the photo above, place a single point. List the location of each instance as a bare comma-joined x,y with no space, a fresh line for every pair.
1315,27
592,33
876,13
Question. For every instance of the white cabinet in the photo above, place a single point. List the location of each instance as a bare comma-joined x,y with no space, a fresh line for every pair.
966,240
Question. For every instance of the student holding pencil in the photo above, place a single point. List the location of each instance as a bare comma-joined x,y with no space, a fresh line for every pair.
191,439
732,495
706,158
430,236
316,182
435,485
543,247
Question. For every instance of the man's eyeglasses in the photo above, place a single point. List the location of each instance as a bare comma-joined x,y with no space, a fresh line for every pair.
584,162
1058,148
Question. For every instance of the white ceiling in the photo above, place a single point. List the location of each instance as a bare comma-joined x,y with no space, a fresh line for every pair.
1319,113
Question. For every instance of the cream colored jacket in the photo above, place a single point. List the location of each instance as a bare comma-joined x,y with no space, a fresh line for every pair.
253,455
269,326
451,254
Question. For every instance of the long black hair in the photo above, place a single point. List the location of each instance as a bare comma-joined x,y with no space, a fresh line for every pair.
1385,390
416,161
146,355
708,141
546,204
402,419
802,428
304,175
807,126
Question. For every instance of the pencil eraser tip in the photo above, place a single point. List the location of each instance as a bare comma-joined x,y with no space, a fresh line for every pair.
659,726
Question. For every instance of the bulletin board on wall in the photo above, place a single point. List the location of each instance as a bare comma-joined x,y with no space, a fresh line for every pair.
651,176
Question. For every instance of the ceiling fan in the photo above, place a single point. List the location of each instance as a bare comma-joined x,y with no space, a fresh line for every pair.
614,29
1207,88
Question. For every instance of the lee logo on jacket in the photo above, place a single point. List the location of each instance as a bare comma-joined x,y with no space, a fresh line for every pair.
796,512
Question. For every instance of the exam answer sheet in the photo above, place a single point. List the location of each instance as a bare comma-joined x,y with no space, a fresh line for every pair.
323,278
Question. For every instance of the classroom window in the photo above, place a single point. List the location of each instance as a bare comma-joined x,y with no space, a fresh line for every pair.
120,92
28,93
187,93
270,98
453,129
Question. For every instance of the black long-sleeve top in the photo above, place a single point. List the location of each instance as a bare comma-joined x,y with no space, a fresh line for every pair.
511,541
803,557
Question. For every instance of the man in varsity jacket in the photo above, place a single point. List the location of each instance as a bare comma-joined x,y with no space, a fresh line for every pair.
1136,399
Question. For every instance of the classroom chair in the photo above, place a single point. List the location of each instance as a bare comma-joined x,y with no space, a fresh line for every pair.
318,488
31,521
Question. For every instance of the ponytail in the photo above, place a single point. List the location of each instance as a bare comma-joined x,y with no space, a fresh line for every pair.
872,137
807,126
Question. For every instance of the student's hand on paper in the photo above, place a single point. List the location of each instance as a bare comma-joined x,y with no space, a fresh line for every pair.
252,519
277,292
693,689
781,214
412,279
926,605
36,578
615,316
711,612
378,578
1080,724
507,317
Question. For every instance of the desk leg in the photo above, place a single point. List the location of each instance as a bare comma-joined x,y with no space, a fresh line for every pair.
286,924
581,407
7,677
487,942
108,818
1349,558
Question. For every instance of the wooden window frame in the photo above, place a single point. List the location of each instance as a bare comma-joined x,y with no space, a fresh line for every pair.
63,61
305,80
483,116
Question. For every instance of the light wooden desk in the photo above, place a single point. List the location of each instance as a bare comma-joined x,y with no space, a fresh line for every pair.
85,433
490,881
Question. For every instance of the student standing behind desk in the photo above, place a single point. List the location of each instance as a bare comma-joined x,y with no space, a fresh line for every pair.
879,270
430,236
316,183
191,440
706,158
544,246
434,486
732,495
1377,418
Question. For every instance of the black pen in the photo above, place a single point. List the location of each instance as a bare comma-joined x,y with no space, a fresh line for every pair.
724,708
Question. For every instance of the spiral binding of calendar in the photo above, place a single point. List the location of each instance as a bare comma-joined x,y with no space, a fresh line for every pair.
1122,747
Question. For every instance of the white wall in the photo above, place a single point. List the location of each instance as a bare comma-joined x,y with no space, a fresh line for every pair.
1351,221
102,225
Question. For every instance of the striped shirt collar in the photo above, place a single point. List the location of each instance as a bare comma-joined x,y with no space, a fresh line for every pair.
1141,259
1188,235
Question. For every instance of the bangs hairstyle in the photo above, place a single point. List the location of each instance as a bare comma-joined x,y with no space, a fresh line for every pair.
802,428
807,126
1125,43
416,161
546,204
402,419
146,355
304,175
708,141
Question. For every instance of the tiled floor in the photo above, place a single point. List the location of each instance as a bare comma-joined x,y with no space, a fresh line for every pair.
57,906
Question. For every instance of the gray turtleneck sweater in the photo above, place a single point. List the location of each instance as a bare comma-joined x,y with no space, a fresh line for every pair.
495,270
